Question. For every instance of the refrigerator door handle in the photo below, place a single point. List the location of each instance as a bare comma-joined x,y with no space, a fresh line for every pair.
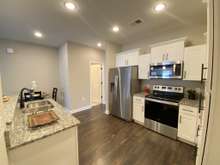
116,85
112,85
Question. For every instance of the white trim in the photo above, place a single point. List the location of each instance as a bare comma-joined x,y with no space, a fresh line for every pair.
107,112
81,109
184,39
130,51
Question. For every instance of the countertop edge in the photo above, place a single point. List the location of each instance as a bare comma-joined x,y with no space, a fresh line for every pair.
43,137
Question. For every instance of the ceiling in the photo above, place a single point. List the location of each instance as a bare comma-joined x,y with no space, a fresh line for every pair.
93,20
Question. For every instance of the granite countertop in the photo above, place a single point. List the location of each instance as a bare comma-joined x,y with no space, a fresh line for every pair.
188,102
2,127
141,94
9,109
20,134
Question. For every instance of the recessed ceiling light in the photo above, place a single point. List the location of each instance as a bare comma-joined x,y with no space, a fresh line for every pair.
70,5
99,44
115,29
160,7
38,34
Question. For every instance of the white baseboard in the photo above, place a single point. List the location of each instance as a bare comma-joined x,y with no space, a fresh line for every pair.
81,109
107,112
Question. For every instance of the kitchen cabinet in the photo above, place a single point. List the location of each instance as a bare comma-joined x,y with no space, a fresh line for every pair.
194,57
143,66
187,123
127,58
120,61
138,109
168,52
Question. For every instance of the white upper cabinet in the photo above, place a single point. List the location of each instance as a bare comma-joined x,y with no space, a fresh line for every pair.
194,57
173,51
143,66
127,58
120,60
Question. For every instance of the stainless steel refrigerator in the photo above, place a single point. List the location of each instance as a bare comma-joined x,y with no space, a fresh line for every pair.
123,83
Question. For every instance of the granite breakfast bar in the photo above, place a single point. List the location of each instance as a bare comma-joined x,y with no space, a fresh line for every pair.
53,144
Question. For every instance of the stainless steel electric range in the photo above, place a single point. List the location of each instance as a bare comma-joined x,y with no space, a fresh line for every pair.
162,109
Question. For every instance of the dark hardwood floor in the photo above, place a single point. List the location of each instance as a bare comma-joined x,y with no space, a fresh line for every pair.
107,140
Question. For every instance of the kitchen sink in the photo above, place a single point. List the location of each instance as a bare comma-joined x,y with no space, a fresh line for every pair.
34,107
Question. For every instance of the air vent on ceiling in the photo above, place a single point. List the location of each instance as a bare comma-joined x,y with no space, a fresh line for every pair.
136,22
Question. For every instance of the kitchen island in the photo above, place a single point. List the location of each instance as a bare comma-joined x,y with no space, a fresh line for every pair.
53,144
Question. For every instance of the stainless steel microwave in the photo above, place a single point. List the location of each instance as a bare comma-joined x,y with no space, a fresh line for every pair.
166,70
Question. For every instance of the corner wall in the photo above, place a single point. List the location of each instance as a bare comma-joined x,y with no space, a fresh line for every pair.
80,56
110,58
66,98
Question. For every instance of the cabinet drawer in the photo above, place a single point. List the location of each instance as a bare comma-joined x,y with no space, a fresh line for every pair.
139,100
187,110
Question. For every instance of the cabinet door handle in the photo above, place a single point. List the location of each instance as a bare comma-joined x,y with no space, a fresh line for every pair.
180,119
187,110
167,56
184,74
198,131
142,108
148,74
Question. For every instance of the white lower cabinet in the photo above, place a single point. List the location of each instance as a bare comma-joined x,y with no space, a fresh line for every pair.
188,124
138,109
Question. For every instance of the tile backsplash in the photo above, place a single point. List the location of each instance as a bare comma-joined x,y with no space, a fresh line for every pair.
195,85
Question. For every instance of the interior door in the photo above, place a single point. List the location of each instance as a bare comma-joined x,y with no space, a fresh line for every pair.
96,84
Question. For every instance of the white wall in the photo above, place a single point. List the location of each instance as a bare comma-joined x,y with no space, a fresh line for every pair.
110,58
79,58
29,62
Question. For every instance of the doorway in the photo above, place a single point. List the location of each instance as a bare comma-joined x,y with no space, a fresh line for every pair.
96,84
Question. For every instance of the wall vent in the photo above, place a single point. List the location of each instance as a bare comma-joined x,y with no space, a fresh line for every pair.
136,22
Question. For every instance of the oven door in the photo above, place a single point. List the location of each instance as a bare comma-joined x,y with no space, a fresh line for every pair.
162,116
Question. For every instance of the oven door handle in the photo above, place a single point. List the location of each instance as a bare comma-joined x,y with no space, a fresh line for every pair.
162,102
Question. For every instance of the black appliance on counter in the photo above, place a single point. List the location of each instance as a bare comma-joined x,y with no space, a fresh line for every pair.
32,96
162,109
166,70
